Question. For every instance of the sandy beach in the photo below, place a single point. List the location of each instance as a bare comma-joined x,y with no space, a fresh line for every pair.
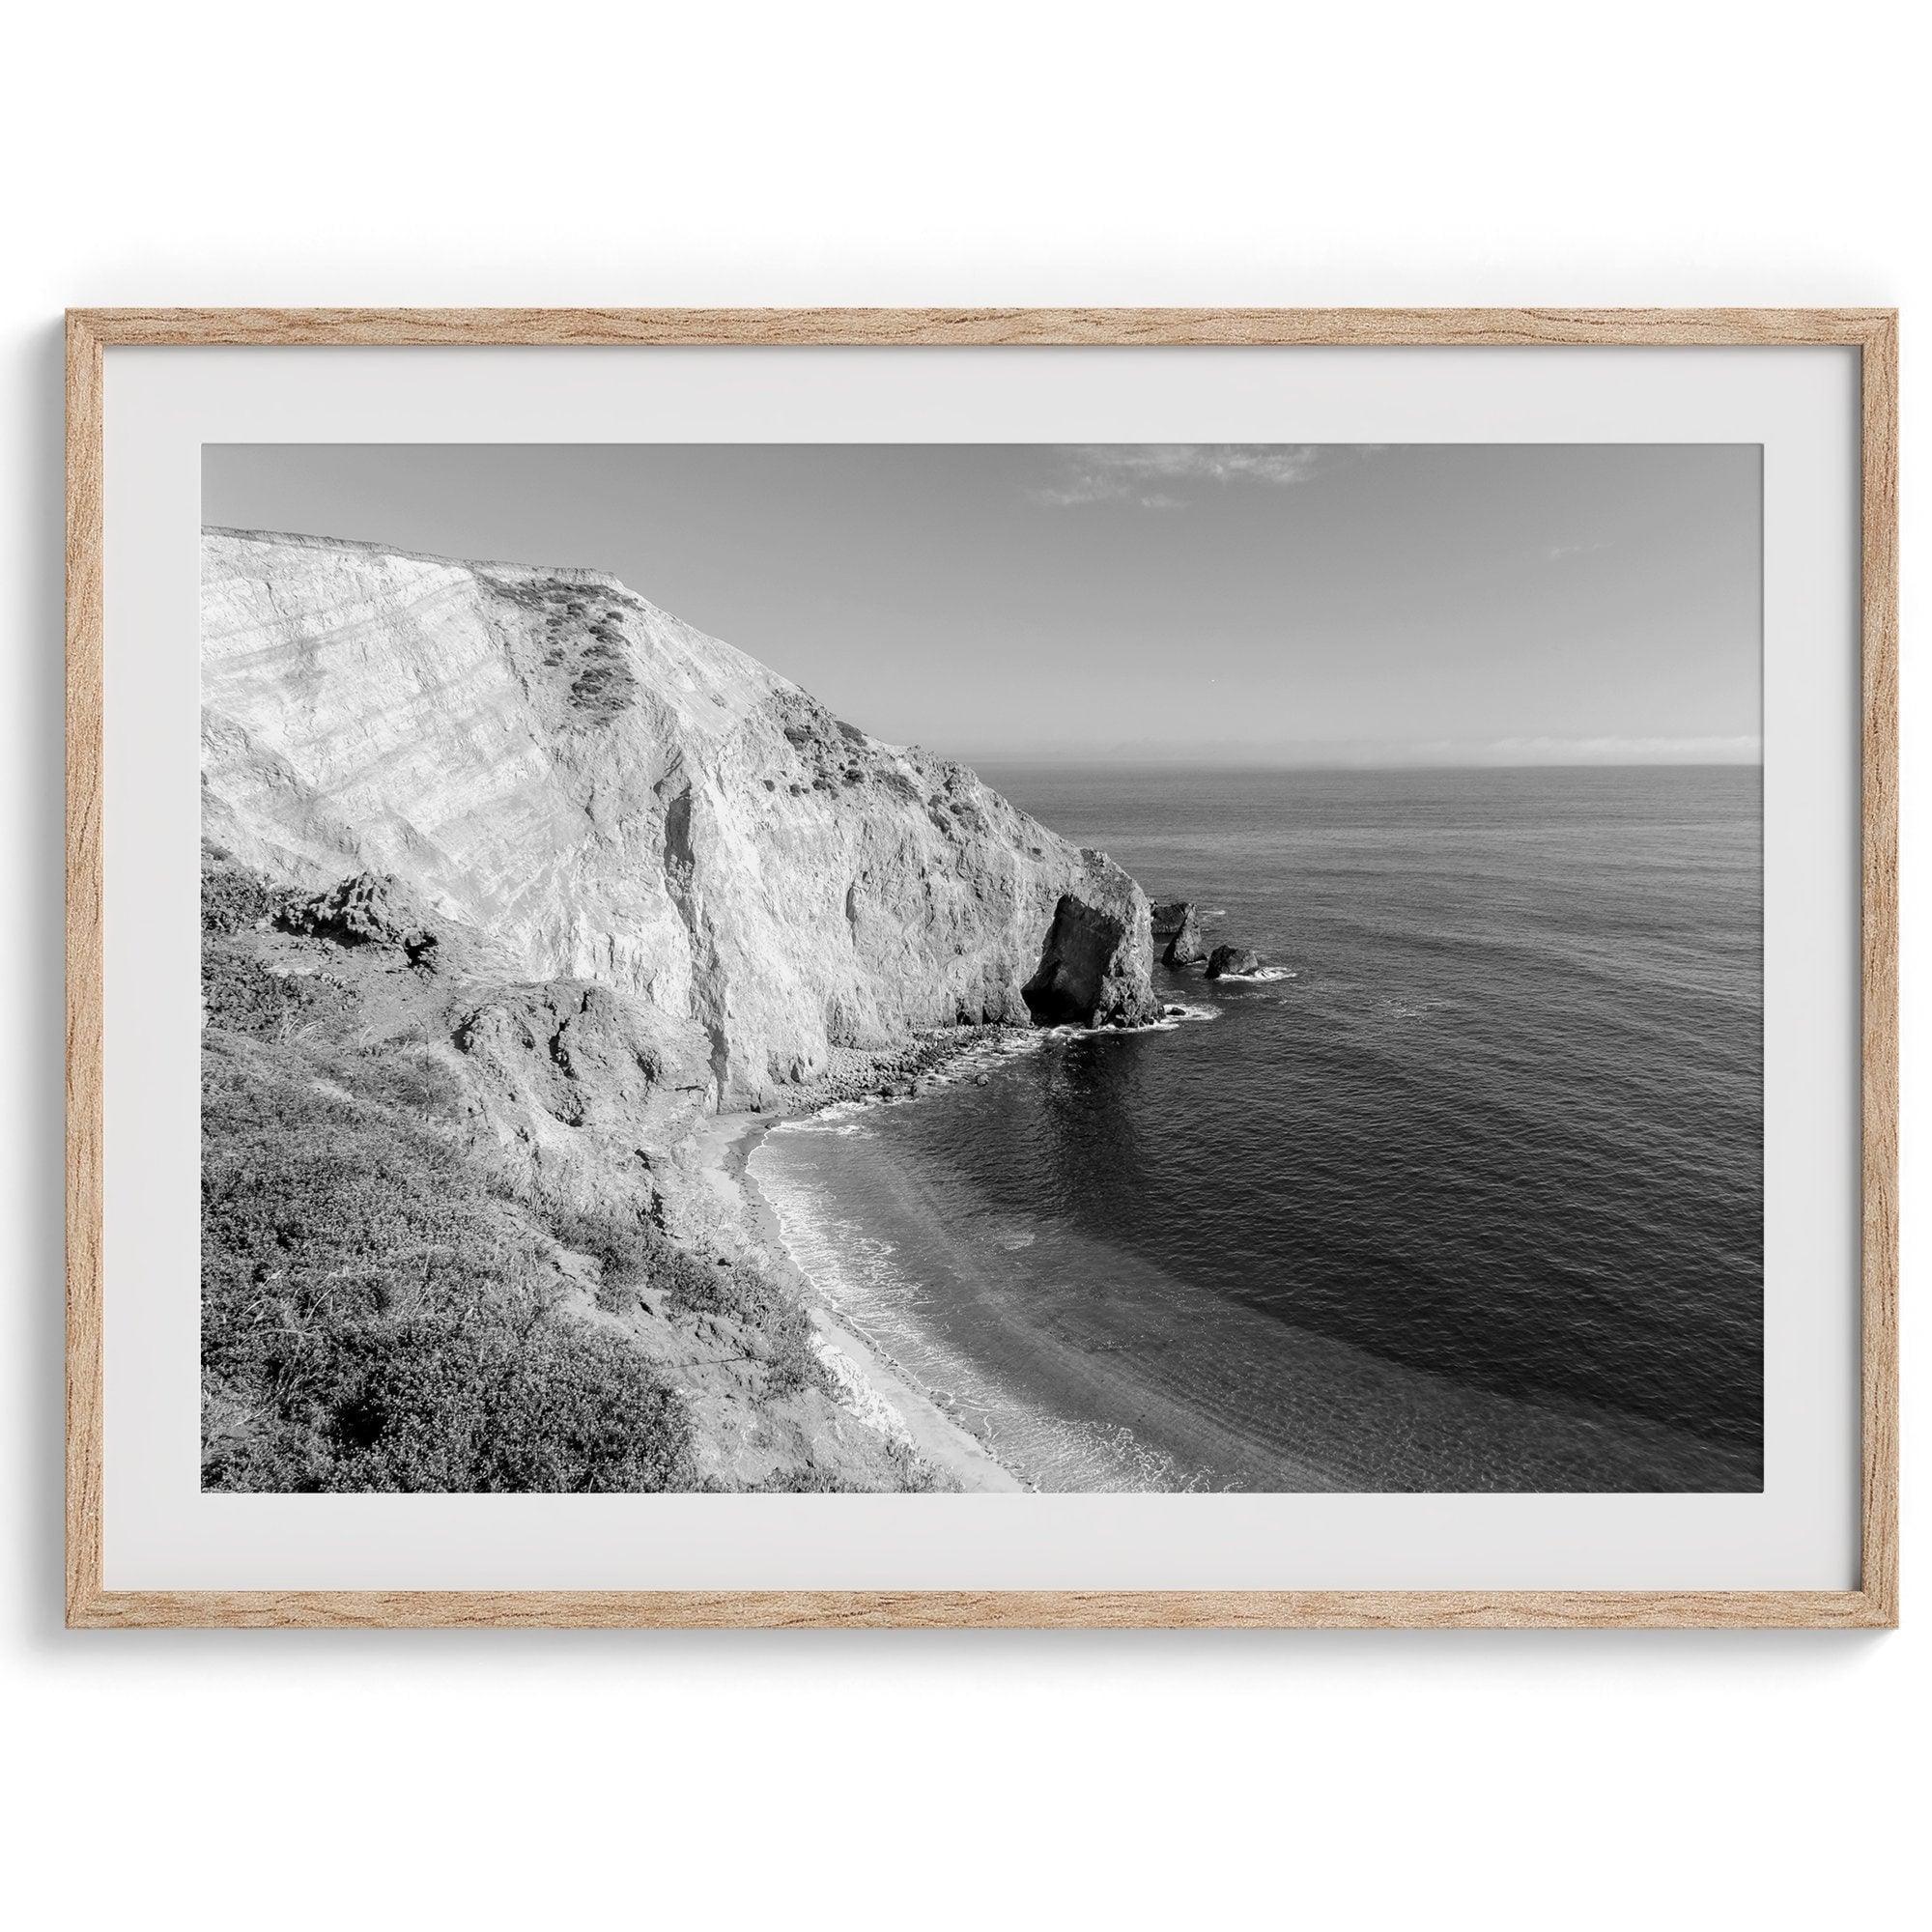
870,1386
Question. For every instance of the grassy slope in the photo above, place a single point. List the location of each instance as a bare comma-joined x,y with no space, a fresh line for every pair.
386,1306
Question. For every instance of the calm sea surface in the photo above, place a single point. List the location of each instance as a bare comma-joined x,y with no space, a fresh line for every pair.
1473,1201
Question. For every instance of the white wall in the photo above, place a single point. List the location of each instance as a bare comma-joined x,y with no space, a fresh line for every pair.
835,154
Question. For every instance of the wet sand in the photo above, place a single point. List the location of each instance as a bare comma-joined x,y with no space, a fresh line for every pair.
868,1385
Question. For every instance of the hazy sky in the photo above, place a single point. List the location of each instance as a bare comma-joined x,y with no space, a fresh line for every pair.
1485,603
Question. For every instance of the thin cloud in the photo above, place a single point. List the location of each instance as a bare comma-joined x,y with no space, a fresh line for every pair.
1738,748
1150,474
1555,553
1404,753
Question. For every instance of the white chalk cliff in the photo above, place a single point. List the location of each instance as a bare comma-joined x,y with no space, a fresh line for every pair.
595,792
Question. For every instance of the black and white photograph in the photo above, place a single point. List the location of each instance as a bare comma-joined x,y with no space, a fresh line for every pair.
956,969
981,968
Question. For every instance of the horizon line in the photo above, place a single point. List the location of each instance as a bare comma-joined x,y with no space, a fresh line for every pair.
1262,761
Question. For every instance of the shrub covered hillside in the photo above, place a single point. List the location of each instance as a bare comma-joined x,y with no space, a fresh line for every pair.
374,1317
403,1288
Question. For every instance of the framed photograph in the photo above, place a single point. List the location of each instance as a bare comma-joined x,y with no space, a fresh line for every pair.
1011,968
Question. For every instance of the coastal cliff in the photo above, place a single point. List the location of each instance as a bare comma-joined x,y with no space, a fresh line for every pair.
598,792
511,881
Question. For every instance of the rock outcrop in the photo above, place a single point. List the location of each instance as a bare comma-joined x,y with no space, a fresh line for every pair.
1184,944
1227,959
577,788
367,910
1094,969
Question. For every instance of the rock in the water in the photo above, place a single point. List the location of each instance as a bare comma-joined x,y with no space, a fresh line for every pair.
1168,917
1093,970
1185,945
1227,959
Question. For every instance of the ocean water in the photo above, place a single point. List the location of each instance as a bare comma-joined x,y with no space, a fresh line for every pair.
1471,1201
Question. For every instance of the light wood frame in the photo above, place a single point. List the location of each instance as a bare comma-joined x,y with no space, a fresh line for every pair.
1873,332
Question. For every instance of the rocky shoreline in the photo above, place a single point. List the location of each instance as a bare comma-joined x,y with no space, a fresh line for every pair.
897,1072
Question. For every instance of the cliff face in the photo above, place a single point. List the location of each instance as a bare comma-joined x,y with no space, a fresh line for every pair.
595,792
508,878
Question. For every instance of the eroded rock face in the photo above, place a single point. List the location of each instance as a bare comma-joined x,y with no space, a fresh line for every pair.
1184,944
1093,971
1227,959
573,786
